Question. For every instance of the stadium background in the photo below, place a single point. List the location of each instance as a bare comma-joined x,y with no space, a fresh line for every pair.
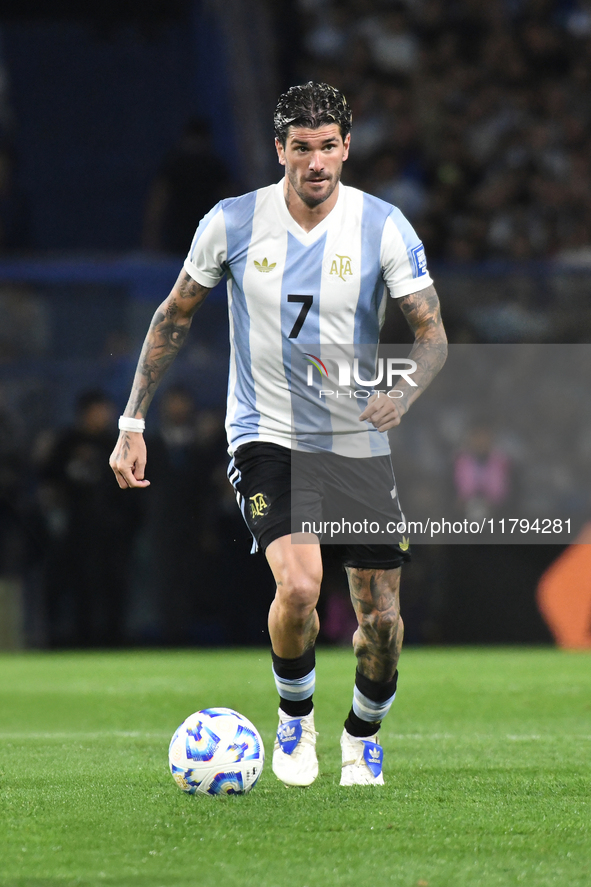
120,125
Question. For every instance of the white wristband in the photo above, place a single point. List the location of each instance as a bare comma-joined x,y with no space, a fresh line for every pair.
126,423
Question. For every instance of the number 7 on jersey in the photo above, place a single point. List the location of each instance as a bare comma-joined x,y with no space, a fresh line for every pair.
306,305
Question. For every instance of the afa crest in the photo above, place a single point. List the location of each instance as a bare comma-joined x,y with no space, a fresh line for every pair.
341,267
259,505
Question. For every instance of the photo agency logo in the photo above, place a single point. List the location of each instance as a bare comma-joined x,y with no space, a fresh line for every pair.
482,472
346,375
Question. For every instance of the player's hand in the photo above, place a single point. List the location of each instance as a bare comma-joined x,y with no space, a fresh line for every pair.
382,411
128,460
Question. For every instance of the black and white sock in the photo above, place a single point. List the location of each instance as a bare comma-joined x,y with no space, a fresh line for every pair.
295,680
371,704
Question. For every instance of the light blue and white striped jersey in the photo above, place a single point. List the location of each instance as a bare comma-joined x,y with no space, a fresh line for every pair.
347,264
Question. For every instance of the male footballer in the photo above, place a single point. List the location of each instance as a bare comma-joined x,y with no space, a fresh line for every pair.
305,259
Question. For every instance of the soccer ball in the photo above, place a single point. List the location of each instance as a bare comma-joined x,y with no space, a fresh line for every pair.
216,752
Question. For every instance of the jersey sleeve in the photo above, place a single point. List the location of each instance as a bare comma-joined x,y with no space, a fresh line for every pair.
205,262
403,260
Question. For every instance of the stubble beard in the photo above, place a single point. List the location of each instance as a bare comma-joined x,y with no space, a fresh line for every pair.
312,202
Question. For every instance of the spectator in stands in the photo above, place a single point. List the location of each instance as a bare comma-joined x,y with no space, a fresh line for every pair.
25,330
186,459
190,181
481,475
89,531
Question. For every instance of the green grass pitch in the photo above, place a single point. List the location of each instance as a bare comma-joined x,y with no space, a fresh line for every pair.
487,768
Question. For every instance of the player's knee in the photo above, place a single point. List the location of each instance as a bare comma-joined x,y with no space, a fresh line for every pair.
299,594
383,626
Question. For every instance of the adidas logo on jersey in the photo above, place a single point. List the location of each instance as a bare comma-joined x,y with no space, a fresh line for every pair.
264,265
404,544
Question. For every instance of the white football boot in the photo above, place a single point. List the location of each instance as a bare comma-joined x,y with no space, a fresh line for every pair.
362,760
294,752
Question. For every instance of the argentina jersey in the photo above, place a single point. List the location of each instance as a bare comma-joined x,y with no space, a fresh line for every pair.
292,293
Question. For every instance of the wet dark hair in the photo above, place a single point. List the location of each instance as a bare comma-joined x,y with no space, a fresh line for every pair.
311,105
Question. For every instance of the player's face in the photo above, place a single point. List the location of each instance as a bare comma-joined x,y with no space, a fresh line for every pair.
313,160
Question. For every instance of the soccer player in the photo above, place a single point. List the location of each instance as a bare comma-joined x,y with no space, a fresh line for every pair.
306,258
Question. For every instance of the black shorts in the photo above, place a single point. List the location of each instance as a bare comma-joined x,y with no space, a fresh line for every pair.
261,474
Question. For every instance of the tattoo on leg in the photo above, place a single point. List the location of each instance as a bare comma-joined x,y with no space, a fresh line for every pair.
378,640
311,630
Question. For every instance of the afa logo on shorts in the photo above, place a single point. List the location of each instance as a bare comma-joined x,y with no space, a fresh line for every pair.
259,505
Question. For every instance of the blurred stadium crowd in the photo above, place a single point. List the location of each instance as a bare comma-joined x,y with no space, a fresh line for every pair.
473,117
99,567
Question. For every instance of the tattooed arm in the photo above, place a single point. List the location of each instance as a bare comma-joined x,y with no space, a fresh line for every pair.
168,330
429,352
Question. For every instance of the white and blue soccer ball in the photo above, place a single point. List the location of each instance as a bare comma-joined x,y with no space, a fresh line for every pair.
216,752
